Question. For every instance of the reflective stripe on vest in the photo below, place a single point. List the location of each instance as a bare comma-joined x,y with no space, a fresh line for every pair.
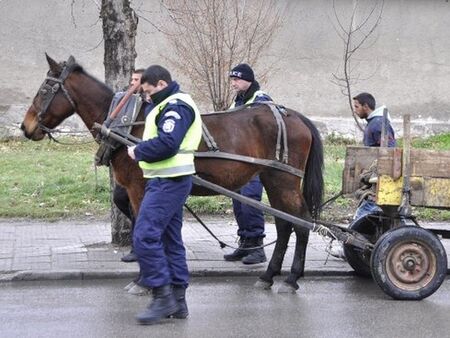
251,100
181,163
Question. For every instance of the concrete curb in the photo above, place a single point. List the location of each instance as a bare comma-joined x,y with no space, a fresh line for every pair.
118,274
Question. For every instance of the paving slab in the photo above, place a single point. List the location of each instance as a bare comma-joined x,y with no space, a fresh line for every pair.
82,249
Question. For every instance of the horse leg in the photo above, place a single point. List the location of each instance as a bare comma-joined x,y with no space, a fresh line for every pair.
284,197
283,234
298,264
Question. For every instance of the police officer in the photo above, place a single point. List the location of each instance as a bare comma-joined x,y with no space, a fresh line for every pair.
250,220
166,155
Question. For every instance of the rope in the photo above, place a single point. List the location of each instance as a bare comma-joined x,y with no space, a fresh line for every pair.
323,231
331,199
221,243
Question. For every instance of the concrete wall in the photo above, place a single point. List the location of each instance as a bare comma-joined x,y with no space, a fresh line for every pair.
406,64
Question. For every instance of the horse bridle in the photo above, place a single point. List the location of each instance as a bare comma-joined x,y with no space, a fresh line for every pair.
48,92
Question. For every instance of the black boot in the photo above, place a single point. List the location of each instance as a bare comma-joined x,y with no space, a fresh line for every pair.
257,255
238,254
163,305
180,296
131,257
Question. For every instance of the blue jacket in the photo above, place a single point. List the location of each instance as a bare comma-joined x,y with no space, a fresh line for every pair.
168,141
372,132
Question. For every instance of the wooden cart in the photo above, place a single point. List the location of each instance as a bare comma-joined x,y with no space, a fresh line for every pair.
407,261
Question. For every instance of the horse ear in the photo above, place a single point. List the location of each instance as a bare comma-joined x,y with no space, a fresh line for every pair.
71,60
54,66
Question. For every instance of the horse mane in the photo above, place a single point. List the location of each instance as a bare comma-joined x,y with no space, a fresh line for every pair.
75,67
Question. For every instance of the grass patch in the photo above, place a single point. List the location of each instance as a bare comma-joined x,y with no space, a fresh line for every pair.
435,142
49,180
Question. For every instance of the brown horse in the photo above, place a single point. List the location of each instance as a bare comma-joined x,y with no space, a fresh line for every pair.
252,132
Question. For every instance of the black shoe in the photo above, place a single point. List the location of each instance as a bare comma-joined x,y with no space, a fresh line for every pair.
180,296
238,254
163,305
131,257
256,255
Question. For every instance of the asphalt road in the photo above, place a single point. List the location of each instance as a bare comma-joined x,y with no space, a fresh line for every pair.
222,307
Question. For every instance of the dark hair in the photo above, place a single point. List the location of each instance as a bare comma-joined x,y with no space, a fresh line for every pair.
366,98
139,71
155,73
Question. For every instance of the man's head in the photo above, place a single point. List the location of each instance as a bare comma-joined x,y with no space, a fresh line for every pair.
241,77
136,78
154,79
364,104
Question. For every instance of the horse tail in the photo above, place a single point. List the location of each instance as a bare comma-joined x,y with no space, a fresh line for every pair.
313,184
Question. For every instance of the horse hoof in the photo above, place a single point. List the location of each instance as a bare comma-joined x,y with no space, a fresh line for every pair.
260,284
286,288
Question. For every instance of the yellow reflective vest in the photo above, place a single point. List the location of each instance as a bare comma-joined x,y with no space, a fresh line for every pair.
181,163
251,100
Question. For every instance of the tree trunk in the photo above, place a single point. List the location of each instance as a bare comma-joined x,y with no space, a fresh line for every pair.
119,33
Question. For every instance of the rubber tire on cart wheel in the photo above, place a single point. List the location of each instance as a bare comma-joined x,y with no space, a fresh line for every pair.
358,259
409,263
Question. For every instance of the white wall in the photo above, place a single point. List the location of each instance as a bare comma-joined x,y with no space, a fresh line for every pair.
408,65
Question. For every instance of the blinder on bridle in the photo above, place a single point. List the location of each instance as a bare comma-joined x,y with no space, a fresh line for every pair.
48,91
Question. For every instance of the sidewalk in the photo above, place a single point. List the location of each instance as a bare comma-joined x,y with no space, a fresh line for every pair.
82,249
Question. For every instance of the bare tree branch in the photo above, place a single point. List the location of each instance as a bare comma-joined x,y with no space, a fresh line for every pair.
354,37
72,16
211,36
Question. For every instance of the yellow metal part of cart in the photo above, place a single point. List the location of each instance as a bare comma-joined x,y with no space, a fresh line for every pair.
429,179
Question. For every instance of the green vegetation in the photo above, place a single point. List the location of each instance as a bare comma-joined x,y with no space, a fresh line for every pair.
437,142
48,180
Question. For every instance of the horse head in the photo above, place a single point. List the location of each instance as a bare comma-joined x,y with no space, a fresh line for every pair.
52,103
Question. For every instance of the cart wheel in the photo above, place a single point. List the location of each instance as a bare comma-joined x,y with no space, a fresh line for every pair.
359,259
409,263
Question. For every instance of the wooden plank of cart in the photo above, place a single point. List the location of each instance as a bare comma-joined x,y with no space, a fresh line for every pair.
407,260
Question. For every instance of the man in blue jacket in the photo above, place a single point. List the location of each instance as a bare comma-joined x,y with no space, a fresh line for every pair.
365,107
172,134
250,220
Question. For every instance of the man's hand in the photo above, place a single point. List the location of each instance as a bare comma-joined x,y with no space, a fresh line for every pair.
131,152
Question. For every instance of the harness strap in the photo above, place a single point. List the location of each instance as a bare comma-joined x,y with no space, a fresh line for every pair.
61,85
268,163
129,140
281,133
209,140
277,111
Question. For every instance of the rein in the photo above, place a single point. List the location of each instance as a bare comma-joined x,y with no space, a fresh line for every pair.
50,133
